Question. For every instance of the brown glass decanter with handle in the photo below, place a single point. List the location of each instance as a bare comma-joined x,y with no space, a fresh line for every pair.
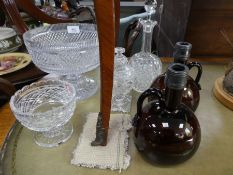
166,131
191,95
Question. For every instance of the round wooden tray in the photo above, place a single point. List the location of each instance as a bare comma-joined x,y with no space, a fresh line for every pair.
21,156
225,98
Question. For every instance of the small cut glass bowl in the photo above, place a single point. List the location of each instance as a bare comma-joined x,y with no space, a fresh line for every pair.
46,108
69,49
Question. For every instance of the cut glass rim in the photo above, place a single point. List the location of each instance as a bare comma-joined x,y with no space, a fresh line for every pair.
31,44
43,83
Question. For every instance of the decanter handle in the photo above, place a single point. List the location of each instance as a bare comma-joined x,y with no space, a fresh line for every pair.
131,33
143,96
199,73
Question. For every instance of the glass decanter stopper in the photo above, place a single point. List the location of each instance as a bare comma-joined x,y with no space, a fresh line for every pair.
122,82
165,130
191,95
150,6
146,65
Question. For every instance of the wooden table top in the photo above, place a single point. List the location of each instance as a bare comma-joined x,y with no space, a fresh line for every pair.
7,119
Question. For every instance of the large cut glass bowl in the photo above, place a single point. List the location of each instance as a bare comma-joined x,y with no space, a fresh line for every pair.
46,107
69,49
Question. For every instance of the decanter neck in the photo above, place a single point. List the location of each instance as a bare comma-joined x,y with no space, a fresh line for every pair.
175,81
146,42
182,52
173,98
148,26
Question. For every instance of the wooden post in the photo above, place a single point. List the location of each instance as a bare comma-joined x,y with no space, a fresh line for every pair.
105,18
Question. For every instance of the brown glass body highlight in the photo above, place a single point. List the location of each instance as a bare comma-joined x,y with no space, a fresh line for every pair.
190,95
166,131
164,137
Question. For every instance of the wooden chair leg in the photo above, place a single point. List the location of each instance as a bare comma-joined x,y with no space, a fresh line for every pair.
105,18
13,15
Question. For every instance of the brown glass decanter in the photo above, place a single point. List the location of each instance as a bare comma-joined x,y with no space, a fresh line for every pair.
191,95
165,130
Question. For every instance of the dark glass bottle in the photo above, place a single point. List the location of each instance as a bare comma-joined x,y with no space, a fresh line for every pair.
165,130
191,95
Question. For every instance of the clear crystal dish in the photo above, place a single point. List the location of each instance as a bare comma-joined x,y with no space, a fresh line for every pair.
46,108
66,49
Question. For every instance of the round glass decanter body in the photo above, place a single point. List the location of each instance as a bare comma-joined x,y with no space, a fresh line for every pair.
123,74
167,131
190,95
146,65
164,137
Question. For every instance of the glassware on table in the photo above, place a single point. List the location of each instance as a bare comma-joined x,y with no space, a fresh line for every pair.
46,108
66,49
146,66
167,131
191,95
122,82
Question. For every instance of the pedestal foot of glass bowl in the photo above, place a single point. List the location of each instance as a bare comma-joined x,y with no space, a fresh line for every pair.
54,137
121,103
85,86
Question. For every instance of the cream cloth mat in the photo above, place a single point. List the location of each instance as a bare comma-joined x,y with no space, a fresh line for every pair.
113,156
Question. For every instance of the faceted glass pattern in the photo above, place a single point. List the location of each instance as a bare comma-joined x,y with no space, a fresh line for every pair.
122,83
45,106
66,49
146,66
54,50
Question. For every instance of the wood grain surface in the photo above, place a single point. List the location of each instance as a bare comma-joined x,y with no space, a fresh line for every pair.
105,17
210,28
7,119
12,13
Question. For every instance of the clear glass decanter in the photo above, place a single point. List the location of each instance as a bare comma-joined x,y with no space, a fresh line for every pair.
122,82
146,65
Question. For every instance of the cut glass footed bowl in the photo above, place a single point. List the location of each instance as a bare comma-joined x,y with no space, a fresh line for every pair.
46,108
68,49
